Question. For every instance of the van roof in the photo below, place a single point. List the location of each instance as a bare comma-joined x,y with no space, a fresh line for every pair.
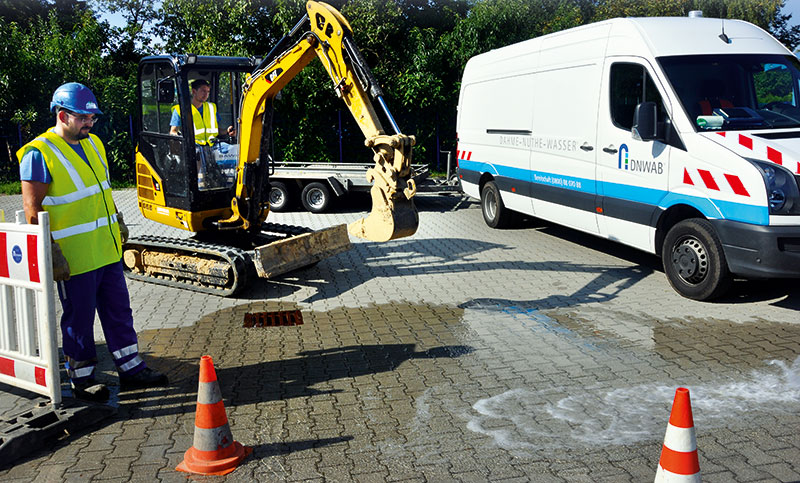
684,36
638,36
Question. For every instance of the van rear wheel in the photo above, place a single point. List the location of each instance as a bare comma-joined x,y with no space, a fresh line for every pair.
495,213
694,261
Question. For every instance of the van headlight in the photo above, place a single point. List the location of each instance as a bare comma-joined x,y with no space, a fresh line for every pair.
783,194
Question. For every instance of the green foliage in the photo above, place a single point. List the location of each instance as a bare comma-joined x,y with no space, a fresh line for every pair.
10,188
416,48
43,52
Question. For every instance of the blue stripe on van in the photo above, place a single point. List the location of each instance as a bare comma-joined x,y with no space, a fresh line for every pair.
611,193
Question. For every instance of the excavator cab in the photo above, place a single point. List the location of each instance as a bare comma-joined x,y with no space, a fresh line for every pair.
187,170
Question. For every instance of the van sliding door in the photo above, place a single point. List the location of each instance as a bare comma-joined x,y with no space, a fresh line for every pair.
563,145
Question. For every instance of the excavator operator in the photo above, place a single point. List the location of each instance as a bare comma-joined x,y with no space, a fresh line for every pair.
206,129
204,115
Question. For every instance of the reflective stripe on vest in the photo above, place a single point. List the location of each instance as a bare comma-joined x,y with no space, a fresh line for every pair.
83,217
82,190
83,227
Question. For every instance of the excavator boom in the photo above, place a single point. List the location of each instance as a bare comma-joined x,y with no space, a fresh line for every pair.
324,34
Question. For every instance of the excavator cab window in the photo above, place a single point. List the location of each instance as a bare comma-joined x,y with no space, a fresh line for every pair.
192,165
163,152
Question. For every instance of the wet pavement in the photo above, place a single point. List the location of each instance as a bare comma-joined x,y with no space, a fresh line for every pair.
460,354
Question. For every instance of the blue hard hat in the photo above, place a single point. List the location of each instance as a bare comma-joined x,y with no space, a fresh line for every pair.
76,98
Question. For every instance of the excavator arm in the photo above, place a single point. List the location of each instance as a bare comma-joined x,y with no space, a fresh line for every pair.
325,34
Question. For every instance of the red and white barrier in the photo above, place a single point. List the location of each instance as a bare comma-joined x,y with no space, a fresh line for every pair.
28,344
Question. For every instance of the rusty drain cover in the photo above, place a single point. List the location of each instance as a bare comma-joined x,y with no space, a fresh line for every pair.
279,318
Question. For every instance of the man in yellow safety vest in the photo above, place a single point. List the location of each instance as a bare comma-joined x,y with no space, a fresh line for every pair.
206,128
204,115
64,172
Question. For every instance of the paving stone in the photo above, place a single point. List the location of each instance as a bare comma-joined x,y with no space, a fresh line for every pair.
459,354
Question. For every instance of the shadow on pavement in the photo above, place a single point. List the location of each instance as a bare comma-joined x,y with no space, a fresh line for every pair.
272,380
277,449
608,285
425,257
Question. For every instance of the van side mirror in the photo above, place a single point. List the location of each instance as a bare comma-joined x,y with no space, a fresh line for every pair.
644,122
166,91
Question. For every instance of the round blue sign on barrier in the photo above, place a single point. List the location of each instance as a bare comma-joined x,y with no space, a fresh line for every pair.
16,254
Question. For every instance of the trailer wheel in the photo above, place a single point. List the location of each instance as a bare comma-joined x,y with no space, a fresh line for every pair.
495,213
316,197
278,196
694,261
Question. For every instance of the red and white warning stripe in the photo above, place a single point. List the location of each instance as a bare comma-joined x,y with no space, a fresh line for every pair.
715,180
465,155
755,146
24,371
19,258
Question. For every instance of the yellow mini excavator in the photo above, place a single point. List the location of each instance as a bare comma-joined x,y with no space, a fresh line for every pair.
194,174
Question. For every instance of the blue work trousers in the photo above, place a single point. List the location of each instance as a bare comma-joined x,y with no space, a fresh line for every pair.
103,291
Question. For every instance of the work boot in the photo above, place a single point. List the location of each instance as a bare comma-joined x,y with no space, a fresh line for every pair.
144,378
90,390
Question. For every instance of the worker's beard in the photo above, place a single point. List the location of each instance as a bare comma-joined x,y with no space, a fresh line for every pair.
82,133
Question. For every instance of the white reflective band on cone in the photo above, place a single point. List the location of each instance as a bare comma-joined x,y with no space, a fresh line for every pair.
208,393
680,439
212,439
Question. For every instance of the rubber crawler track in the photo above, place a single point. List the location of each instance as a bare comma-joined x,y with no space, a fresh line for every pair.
240,261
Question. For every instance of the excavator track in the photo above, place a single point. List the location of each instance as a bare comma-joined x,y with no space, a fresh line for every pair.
215,266
187,264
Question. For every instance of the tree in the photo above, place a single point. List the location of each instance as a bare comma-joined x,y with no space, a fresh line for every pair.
417,49
61,45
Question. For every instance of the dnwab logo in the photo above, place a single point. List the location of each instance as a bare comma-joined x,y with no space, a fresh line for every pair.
623,156
637,165
16,254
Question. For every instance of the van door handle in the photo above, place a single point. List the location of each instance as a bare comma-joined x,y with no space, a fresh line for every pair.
610,150
586,147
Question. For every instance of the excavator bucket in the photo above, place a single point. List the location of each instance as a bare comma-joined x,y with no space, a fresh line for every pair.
299,251
393,213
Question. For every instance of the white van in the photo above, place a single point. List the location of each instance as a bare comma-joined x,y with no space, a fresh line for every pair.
676,136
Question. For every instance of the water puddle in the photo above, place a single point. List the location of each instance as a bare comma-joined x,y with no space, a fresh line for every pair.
522,419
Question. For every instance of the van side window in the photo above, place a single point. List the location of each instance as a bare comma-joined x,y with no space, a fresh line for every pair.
630,86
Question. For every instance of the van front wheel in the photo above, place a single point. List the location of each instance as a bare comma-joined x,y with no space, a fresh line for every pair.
495,213
694,261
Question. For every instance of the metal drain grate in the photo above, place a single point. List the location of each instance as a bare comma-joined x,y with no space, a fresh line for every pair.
281,318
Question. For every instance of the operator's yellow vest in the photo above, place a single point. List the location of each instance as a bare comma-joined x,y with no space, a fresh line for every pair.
205,124
83,217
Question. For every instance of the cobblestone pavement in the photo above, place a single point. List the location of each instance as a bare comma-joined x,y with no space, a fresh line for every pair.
459,354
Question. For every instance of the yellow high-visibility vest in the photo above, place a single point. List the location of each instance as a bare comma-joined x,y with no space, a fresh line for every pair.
205,124
83,217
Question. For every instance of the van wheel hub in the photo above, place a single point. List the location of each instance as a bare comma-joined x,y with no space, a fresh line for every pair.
690,260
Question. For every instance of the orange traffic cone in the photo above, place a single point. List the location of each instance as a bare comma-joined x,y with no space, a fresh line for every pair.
213,452
678,461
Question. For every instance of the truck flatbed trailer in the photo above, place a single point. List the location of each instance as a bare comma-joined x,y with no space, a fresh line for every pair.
316,184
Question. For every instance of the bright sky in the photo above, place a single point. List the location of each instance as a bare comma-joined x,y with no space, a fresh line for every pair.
793,7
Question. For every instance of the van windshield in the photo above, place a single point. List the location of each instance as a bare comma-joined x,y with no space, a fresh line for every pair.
737,92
